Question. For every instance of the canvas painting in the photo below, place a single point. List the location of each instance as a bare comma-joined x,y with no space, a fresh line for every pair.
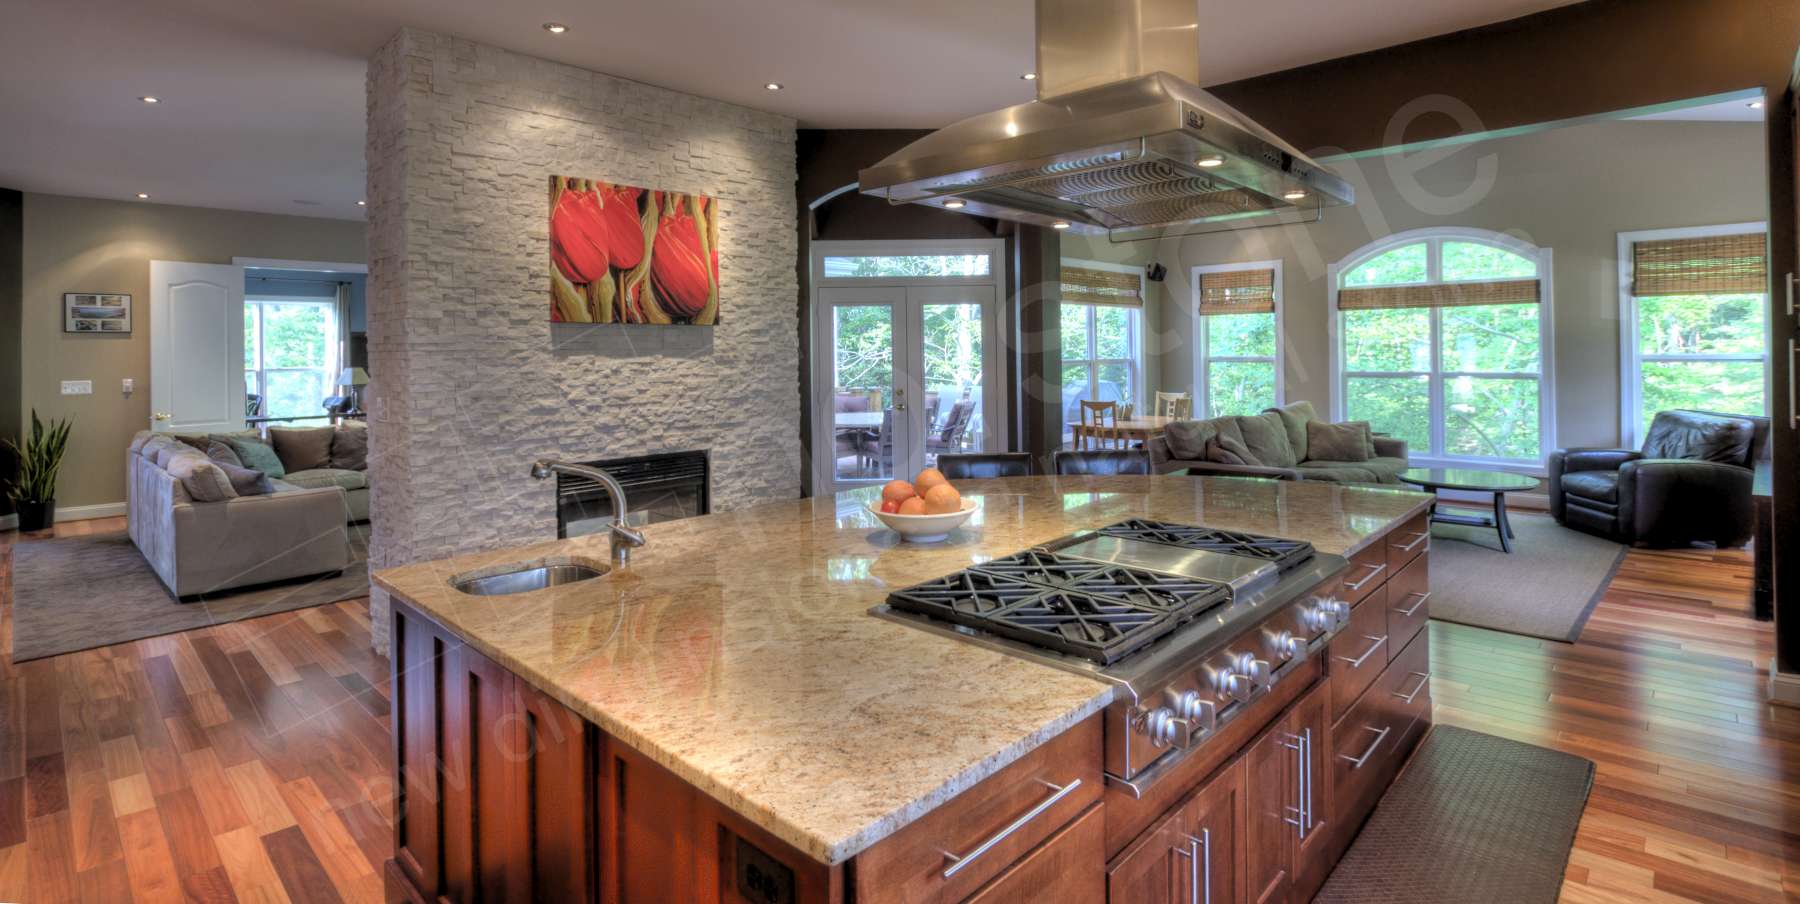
620,254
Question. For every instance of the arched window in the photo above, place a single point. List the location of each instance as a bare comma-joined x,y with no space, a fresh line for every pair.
1442,338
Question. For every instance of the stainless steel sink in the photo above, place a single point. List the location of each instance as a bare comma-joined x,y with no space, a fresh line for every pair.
527,579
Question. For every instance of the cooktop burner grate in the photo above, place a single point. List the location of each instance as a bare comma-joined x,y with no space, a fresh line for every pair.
1284,553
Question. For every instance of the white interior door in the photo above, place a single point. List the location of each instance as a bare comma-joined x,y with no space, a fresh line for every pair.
196,347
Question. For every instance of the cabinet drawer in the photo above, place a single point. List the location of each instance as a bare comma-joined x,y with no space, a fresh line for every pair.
1069,867
1368,570
1408,541
1407,682
1368,746
1358,654
1408,604
974,836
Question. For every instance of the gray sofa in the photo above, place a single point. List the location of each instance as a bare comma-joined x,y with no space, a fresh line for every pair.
1277,438
203,547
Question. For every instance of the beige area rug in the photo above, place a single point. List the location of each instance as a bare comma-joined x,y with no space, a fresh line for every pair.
76,593
1546,588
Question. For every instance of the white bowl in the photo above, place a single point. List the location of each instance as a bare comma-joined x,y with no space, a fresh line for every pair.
924,528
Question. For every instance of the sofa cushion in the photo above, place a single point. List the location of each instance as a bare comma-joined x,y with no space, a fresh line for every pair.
1294,418
244,481
204,480
302,448
313,478
139,440
1601,485
164,452
1700,437
223,454
1187,439
1348,441
1266,438
1228,451
350,446
257,455
1374,470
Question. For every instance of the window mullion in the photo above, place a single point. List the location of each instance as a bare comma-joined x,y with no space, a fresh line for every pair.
1435,383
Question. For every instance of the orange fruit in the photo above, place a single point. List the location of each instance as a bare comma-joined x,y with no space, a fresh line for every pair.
897,491
913,506
942,499
928,478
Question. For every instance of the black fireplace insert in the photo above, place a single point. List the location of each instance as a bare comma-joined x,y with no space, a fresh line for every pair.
661,487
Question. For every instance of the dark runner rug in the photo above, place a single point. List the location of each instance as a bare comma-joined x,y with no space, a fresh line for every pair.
1473,818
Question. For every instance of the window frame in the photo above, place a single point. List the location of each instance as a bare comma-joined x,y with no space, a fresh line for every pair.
1134,331
1202,356
1436,376
1631,356
254,345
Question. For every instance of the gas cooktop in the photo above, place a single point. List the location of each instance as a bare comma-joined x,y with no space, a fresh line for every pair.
1284,553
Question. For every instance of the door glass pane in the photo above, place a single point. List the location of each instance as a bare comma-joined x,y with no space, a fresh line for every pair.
1387,340
1398,406
1240,336
1239,387
1497,338
294,393
953,379
1112,332
1491,418
906,265
1732,387
1473,260
1405,264
1701,325
863,392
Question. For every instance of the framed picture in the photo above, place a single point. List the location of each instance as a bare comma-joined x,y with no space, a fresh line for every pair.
96,313
620,254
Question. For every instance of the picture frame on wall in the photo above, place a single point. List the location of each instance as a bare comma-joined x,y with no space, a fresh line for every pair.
96,312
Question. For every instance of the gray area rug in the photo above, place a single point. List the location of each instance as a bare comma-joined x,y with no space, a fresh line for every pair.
76,593
1474,818
1546,588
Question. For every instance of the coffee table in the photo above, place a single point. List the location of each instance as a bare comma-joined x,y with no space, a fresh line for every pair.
1497,482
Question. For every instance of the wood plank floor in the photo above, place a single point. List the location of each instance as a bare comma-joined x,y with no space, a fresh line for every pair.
250,761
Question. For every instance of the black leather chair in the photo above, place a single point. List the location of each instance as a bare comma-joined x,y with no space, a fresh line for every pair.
1691,482
976,465
1103,462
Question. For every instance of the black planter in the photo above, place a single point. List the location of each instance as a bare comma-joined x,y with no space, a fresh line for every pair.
36,515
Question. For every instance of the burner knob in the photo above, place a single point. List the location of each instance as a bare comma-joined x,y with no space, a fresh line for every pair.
1255,670
1161,726
1236,685
1287,646
1200,713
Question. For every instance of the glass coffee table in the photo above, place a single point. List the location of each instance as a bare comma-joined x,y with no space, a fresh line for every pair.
1497,482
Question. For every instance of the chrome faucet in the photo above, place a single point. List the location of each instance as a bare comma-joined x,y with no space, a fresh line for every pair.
621,535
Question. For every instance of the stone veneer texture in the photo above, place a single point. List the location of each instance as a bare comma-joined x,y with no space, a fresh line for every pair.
470,379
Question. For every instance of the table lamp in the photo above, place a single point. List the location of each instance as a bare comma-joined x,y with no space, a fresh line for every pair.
355,378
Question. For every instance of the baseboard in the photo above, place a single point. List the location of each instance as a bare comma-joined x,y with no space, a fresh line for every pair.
1783,688
85,512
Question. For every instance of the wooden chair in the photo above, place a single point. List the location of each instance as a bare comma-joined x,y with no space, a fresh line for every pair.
1099,424
1177,405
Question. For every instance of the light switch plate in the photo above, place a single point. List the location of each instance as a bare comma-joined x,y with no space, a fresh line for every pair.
78,387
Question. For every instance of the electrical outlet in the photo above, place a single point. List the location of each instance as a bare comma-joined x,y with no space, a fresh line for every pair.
127,386
78,387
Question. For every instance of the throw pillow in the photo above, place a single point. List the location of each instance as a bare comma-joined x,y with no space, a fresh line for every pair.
197,441
203,480
350,447
1294,418
223,454
1226,450
1187,439
166,452
1349,441
244,481
302,448
258,455
1266,439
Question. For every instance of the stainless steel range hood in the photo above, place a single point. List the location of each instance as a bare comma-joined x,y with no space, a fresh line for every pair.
1119,141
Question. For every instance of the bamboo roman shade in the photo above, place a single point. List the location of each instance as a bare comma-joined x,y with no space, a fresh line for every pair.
1085,285
1440,295
1237,292
1709,265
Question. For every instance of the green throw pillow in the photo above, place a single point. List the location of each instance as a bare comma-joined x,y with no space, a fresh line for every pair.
258,456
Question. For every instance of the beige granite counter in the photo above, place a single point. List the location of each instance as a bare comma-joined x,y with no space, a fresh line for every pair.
737,649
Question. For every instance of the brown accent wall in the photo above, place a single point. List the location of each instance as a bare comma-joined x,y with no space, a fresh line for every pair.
12,236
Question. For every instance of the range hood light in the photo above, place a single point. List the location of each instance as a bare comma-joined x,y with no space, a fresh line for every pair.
1294,194
1211,160
953,204
1060,224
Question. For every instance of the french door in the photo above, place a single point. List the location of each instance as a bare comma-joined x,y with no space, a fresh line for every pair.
905,367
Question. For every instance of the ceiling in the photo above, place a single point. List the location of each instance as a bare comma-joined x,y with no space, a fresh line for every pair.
262,100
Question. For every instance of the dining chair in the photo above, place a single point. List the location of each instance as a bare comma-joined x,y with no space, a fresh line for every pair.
1099,424
1177,405
1103,462
976,465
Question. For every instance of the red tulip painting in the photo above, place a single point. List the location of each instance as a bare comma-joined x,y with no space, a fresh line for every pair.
620,254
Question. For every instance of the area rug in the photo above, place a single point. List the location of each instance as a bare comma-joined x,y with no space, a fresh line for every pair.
1547,587
1473,818
76,593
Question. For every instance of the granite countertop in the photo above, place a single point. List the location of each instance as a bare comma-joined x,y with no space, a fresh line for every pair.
737,649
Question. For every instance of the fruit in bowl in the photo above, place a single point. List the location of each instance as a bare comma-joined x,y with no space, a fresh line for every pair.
924,510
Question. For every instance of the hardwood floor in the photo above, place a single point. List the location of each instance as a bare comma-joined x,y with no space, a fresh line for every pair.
250,761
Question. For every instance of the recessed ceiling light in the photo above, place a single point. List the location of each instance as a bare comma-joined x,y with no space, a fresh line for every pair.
151,99
954,204
362,203
1211,160
1029,76
1294,194
143,196
555,28
773,86
1756,105
1060,224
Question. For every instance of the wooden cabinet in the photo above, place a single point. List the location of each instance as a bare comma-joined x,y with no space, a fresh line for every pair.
1194,856
1358,654
1287,800
1060,869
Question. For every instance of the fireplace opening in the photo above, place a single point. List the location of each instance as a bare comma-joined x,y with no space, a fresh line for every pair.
661,487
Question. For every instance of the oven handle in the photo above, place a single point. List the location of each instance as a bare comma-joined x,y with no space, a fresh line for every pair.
1060,792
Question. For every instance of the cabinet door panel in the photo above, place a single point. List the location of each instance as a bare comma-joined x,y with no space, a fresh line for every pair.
485,835
417,680
1269,770
558,789
1308,724
1153,870
1215,828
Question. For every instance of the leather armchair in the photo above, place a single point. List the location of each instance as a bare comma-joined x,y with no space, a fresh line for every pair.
1691,482
976,465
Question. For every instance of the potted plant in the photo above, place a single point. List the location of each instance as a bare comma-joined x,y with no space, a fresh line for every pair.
33,493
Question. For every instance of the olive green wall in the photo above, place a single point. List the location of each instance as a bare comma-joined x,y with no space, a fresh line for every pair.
88,245
1571,189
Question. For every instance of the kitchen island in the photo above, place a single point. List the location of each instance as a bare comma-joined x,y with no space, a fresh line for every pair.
723,719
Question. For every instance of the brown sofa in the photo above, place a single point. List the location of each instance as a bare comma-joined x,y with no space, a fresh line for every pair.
1277,438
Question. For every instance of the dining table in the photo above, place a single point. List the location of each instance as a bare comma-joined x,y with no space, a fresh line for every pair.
1141,428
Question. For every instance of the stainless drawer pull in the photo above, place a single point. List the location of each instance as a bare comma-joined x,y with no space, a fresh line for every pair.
1422,536
1060,792
1408,613
1424,679
1793,359
1199,854
1373,571
1380,735
1790,294
1357,662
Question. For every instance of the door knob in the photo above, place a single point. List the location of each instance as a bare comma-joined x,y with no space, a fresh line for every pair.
161,416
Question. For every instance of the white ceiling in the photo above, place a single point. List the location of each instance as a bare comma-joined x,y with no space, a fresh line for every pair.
263,99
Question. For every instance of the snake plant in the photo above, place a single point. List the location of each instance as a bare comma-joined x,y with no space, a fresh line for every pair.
39,460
